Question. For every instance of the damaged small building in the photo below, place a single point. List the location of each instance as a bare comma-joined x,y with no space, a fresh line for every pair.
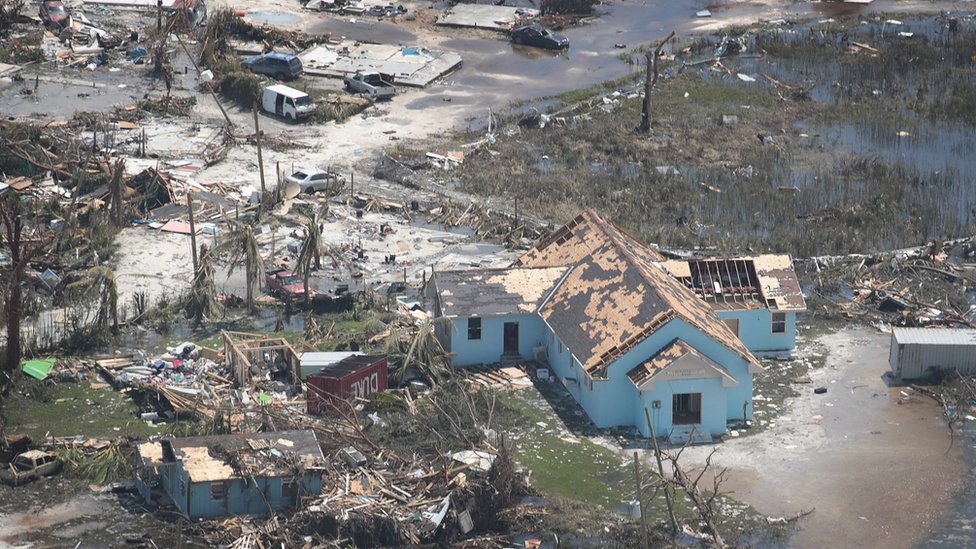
629,334
239,474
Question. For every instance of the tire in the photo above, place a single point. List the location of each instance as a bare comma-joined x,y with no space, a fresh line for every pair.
280,76
309,190
517,40
289,117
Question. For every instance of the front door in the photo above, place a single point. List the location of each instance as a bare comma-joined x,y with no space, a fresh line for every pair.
511,337
686,409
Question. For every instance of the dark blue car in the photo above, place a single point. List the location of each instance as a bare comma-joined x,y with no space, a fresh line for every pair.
280,66
540,37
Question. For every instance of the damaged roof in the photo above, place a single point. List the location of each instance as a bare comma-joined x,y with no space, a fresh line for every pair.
262,454
667,356
616,294
731,283
491,292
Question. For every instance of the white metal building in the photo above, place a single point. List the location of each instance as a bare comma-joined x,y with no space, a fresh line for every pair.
915,350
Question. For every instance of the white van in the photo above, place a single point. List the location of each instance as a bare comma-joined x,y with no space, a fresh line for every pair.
287,102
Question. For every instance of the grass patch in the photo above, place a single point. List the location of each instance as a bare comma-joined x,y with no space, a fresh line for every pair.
66,409
562,465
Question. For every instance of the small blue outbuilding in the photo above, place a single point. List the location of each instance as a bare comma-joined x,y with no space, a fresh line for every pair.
633,337
238,474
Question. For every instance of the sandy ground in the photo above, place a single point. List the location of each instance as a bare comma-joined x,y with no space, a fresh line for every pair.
877,471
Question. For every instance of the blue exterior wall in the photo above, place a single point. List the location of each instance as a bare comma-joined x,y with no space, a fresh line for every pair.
241,498
490,347
245,498
617,402
756,330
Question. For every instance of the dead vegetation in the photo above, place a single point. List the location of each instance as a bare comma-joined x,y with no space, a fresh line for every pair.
741,158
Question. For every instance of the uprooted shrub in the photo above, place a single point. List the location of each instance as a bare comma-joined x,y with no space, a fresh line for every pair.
242,87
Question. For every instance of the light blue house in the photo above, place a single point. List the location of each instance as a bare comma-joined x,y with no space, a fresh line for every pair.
631,342
239,474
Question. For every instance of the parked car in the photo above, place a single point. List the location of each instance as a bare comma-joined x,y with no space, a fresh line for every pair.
313,180
286,102
285,283
540,37
372,84
31,465
53,14
280,66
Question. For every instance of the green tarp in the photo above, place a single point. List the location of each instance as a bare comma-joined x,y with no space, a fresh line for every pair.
264,398
38,368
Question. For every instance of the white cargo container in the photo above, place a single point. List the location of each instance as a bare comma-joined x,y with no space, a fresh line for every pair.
914,351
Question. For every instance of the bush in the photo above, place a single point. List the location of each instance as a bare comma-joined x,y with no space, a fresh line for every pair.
242,87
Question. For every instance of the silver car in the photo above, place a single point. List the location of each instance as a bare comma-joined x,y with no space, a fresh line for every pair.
313,180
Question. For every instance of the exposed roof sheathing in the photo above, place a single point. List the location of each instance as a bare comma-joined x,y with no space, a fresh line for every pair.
254,451
493,292
616,295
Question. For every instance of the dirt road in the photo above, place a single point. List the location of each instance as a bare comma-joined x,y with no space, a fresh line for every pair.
878,470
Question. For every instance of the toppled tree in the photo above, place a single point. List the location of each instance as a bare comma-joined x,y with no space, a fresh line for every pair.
650,80
421,351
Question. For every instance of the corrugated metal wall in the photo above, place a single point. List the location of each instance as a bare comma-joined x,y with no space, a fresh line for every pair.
911,361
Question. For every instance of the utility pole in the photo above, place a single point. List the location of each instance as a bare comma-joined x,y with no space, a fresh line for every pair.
660,472
193,230
257,139
639,496
159,17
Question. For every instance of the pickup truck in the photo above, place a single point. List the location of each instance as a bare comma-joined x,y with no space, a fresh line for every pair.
371,84
28,466
284,284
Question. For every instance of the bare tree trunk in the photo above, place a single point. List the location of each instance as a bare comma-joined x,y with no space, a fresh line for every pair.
649,81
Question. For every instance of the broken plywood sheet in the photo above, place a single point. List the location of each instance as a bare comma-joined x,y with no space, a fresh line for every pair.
7,70
479,16
174,226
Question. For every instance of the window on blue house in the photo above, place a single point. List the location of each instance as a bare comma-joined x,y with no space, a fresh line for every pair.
779,323
218,491
474,328
289,488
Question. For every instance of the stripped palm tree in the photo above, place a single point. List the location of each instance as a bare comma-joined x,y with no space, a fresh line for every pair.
201,301
116,192
244,250
99,283
421,351
311,247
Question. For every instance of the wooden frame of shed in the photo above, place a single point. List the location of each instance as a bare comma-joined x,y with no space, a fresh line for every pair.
244,350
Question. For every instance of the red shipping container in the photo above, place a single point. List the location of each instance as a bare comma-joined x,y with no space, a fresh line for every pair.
355,376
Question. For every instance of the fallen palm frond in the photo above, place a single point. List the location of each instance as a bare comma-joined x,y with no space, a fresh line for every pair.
104,466
420,351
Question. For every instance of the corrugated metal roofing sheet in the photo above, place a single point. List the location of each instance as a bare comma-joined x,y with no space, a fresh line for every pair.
934,336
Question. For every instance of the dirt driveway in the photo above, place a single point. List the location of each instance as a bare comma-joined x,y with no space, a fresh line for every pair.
879,470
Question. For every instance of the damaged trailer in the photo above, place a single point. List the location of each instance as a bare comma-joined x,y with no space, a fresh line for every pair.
919,352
